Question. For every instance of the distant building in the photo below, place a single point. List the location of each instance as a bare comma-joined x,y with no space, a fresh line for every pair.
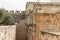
11,11
17,11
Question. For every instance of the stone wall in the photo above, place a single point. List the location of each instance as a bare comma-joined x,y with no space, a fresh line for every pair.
43,16
21,31
43,7
45,21
29,5
8,32
50,35
46,8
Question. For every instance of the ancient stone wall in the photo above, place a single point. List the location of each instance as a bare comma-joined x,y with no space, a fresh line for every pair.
46,8
8,32
29,5
45,21
44,16
21,31
49,34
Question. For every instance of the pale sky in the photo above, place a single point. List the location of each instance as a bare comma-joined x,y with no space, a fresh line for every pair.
16,4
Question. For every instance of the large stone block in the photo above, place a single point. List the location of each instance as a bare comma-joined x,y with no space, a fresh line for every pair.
8,32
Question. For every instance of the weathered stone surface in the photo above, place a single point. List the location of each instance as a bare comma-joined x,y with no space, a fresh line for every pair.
47,8
8,32
50,34
46,21
21,31
29,6
43,7
42,16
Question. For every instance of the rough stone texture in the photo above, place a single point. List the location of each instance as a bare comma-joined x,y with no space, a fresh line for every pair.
46,8
21,31
50,35
29,5
8,32
43,16
46,21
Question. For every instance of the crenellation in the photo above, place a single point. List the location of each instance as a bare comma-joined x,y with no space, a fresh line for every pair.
11,11
17,11
23,12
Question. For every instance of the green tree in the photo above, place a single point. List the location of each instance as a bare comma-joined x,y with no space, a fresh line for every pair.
5,18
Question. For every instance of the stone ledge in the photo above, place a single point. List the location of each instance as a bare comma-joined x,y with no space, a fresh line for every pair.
51,32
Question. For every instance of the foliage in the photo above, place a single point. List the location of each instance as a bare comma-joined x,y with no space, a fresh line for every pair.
5,18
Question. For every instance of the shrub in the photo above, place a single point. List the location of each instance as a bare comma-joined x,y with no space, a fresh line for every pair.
5,18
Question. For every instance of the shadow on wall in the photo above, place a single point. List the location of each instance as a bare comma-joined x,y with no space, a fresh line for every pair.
21,31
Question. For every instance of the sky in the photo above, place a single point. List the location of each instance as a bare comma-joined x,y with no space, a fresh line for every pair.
16,4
